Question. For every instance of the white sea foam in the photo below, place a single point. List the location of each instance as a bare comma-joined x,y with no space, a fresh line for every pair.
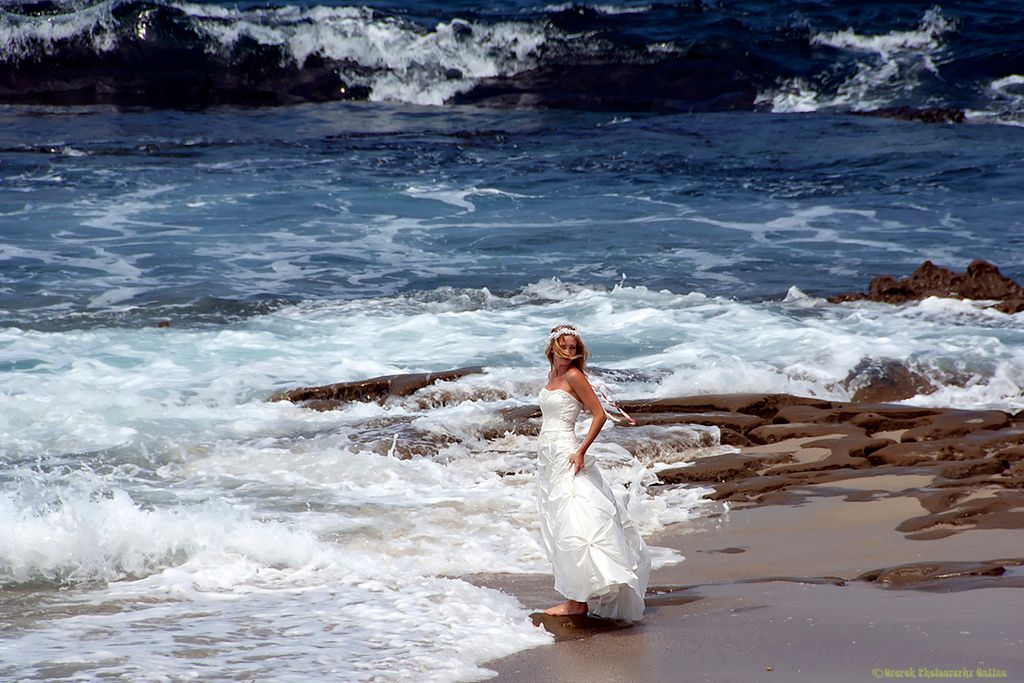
24,35
411,63
924,38
889,67
229,619
813,223
457,197
72,533
1011,86
397,59
603,8
144,469
1006,102
328,586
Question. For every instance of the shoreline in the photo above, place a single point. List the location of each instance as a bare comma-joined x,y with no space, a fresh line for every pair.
778,611
785,631
840,569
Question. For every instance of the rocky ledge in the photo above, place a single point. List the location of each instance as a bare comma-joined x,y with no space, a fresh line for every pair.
981,281
332,396
970,462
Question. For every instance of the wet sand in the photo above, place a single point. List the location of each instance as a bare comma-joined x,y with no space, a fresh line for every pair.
851,542
792,632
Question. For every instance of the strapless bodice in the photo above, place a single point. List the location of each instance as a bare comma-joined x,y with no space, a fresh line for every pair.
559,410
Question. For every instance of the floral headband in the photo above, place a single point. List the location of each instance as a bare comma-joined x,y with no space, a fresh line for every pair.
563,329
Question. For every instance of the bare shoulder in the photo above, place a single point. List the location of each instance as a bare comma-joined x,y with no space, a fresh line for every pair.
573,374
577,380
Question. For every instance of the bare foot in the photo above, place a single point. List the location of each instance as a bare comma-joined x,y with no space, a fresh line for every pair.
567,608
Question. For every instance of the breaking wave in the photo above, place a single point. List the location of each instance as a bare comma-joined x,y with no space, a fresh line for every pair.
657,58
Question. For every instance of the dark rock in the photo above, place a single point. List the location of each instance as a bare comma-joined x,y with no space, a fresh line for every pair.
675,83
910,454
885,380
774,433
523,420
660,419
762,405
374,389
730,437
942,500
322,405
911,575
398,437
849,451
745,490
845,412
973,468
957,423
738,422
161,56
872,422
1013,454
1001,511
718,468
925,114
981,280
962,450
1001,443
453,393
663,443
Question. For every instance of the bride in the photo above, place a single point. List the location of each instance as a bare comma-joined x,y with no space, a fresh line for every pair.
599,561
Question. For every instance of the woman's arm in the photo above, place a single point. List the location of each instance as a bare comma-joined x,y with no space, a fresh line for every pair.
578,381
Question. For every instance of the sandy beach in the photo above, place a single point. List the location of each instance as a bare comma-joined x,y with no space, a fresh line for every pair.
853,542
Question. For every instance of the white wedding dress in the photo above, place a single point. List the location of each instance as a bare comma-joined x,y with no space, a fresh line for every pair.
596,553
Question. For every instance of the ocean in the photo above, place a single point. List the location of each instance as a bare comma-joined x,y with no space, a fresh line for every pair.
202,204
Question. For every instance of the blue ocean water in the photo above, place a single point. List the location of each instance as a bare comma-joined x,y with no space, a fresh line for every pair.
204,203
188,214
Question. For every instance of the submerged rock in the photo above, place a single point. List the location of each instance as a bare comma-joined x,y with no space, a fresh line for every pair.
331,396
885,380
944,576
982,280
691,83
923,114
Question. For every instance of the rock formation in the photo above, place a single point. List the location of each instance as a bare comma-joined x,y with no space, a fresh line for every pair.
331,396
981,281
885,380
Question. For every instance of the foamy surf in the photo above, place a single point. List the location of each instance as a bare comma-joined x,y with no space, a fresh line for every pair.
888,69
393,58
174,499
604,56
170,499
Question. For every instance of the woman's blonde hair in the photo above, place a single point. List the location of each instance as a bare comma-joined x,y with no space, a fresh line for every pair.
554,348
